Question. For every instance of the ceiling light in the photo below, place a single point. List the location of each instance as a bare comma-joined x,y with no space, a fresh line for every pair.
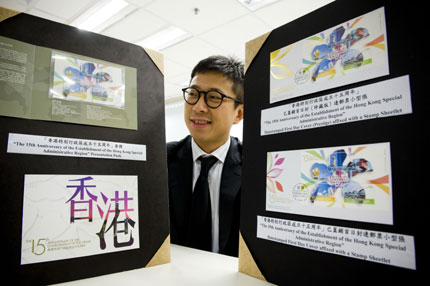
164,38
100,14
256,4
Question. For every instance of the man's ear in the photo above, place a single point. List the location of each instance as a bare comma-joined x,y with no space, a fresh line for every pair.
239,114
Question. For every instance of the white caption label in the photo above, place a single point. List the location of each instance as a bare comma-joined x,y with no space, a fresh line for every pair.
72,147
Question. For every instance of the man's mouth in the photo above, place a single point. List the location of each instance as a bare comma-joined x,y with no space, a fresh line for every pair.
200,122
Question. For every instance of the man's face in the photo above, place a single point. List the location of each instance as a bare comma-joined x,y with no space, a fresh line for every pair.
210,127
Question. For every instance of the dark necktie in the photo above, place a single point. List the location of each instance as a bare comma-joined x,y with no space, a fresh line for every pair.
200,225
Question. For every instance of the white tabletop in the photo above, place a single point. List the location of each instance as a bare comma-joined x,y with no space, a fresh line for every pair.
187,267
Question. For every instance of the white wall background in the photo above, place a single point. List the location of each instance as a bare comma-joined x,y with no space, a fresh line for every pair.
176,128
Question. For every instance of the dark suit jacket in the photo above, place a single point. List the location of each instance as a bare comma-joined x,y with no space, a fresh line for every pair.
180,169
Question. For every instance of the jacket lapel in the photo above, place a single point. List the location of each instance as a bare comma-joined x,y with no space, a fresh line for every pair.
181,187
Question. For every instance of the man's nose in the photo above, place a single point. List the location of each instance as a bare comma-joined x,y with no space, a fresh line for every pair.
200,106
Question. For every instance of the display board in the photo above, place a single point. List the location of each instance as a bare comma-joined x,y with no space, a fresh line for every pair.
83,153
335,105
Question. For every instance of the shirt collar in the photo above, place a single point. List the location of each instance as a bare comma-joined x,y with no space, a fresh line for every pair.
220,153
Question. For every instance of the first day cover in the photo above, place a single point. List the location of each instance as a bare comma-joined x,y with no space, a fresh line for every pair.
349,52
345,182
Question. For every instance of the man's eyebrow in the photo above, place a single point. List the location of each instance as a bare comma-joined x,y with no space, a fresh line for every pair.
210,89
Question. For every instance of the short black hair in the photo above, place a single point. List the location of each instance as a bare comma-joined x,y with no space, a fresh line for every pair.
231,67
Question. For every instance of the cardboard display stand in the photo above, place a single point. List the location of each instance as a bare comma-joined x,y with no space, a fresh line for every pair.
147,166
297,244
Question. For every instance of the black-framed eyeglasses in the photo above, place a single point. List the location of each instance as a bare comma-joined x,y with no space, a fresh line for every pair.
213,98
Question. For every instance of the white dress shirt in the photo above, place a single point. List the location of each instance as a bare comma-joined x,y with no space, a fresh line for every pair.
214,179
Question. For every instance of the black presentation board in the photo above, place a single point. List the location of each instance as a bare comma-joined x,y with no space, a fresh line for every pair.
152,174
283,264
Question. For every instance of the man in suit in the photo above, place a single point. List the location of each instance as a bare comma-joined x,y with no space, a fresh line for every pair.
213,103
